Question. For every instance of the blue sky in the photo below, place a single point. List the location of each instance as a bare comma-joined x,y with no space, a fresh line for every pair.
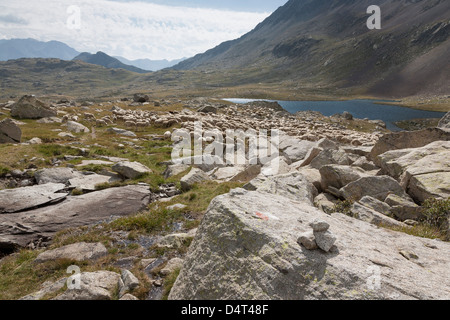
134,29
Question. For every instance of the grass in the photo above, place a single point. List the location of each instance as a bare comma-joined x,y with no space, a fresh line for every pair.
158,218
419,230
169,282
21,276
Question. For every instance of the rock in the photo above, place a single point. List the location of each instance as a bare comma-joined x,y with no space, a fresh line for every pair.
249,173
325,202
325,240
408,139
29,107
292,185
50,120
131,170
308,240
365,164
431,185
171,266
375,204
122,132
275,167
330,156
128,296
377,187
35,141
208,109
9,132
127,283
175,169
313,176
78,252
21,228
339,176
297,151
366,214
403,209
177,206
95,163
48,288
76,127
347,115
56,175
91,181
174,241
444,123
15,200
193,177
204,162
237,173
312,153
423,172
250,239
99,285
141,98
66,135
319,225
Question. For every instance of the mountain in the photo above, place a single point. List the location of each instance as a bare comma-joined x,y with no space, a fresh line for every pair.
327,44
102,59
152,65
60,77
30,48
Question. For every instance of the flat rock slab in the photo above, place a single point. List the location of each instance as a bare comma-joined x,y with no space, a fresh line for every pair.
15,200
246,249
90,182
81,251
19,229
56,175
94,162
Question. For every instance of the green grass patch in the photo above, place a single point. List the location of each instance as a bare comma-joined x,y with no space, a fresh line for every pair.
169,282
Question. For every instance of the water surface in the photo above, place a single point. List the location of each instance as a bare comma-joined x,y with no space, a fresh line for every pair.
360,109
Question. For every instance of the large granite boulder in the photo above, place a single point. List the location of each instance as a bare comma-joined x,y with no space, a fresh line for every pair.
9,132
56,175
193,177
423,172
246,249
131,170
408,139
378,187
29,107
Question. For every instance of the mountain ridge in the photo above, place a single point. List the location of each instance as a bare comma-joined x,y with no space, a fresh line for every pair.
104,60
327,44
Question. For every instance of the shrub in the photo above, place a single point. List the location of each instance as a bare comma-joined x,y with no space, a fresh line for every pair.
436,213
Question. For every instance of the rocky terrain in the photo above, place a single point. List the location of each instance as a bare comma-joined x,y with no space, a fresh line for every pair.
351,212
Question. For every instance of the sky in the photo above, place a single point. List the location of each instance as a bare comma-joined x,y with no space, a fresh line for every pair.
134,29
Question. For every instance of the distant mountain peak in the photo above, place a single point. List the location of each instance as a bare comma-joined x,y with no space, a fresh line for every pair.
102,59
31,48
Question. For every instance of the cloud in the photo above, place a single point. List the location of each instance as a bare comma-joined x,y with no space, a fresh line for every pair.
11,19
130,29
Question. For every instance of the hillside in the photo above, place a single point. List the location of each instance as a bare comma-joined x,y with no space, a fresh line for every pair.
326,44
151,65
30,48
104,60
54,76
